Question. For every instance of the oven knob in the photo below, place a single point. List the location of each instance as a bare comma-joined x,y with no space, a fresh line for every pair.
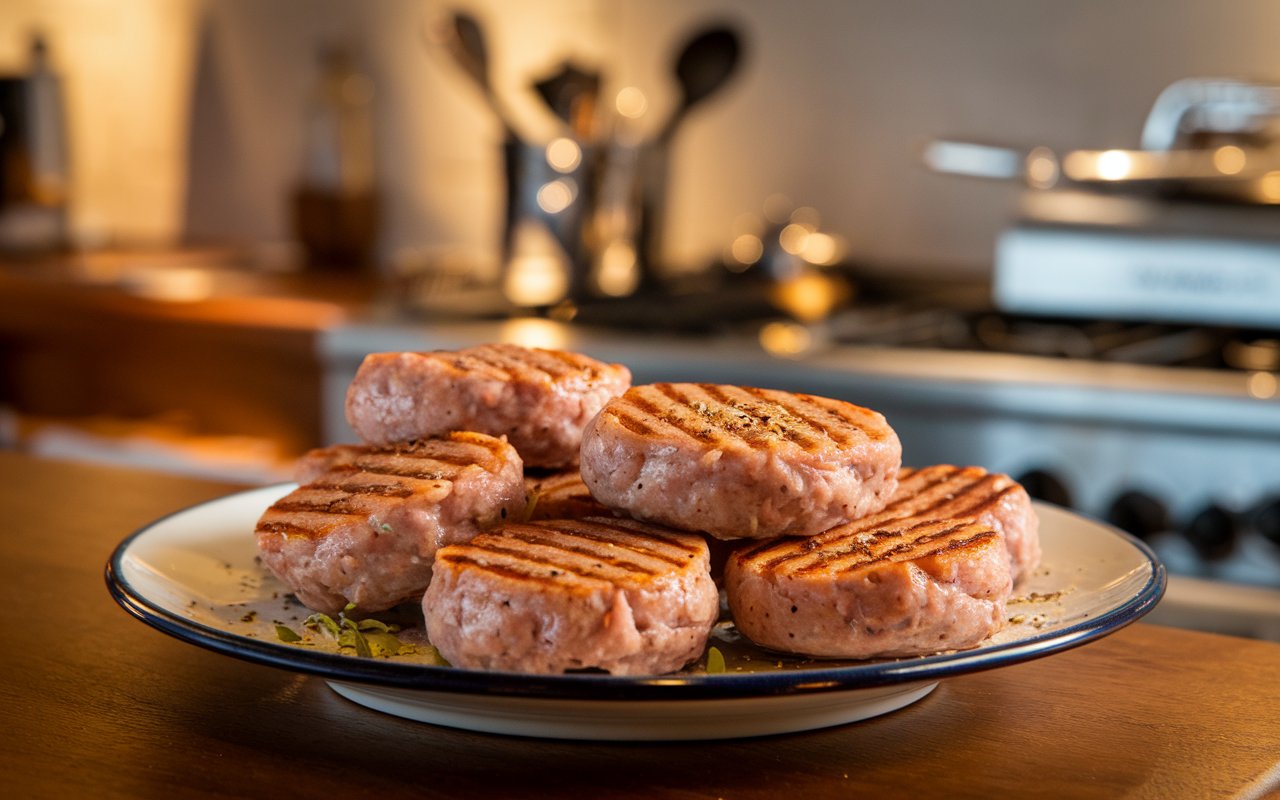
1212,532
1044,485
1138,513
1266,521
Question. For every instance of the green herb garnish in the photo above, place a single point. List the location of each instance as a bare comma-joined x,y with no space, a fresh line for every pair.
530,504
368,637
715,661
287,634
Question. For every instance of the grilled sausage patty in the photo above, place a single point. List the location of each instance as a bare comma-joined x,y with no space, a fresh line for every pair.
539,399
547,597
561,495
943,492
905,587
739,462
367,525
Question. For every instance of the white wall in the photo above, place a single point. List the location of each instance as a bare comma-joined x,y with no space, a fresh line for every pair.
127,78
834,100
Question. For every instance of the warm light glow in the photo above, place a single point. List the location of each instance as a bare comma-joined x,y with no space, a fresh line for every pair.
1042,168
785,338
1111,165
822,249
618,274
537,270
807,217
555,196
631,103
1263,385
808,297
564,155
536,280
793,237
747,249
128,75
171,284
1269,187
534,332
1114,165
1229,159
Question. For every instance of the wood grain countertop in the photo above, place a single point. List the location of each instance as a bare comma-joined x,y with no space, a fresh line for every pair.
96,704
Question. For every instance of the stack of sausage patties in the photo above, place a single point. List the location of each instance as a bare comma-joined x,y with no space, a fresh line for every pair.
436,496
851,555
550,518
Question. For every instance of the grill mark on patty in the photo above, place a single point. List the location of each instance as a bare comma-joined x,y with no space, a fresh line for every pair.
815,551
981,494
417,472
762,418
368,489
345,504
462,556
524,364
317,517
953,488
562,363
834,422
683,413
507,544
495,447
987,502
640,414
932,494
927,479
596,549
707,414
418,468
548,552
293,529
711,413
424,459
643,541
316,524
912,547
350,494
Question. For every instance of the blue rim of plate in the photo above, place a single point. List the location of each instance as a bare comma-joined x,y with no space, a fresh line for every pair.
810,679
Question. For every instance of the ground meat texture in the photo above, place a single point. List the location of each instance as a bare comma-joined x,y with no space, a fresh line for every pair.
562,595
906,588
539,399
366,526
739,462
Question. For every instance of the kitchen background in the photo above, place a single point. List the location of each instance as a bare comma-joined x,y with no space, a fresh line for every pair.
187,118
176,325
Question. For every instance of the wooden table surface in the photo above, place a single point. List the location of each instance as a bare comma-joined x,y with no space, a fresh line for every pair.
96,704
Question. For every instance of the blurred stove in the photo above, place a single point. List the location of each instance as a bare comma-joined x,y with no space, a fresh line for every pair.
1168,431
1151,278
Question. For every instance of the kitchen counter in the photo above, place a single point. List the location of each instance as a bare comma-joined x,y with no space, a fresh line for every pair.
185,338
97,704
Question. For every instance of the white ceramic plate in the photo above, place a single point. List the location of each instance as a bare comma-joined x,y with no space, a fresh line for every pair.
195,575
